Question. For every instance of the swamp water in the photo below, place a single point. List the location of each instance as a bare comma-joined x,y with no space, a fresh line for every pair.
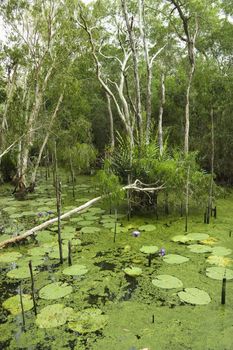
110,298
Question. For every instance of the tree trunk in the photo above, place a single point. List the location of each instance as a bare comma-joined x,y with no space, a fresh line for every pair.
187,110
210,199
160,124
112,139
33,177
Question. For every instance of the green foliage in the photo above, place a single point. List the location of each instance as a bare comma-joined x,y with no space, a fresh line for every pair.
109,186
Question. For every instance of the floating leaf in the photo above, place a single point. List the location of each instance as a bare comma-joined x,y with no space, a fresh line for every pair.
96,210
219,260
45,237
210,241
9,257
221,251
85,223
40,251
55,253
194,296
36,261
167,282
197,236
133,271
199,248
147,228
120,229
149,249
75,270
55,290
87,321
21,272
217,273
53,316
111,224
90,229
175,259
13,305
180,238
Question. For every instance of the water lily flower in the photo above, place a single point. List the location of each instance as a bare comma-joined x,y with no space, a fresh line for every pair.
162,252
40,214
49,212
136,233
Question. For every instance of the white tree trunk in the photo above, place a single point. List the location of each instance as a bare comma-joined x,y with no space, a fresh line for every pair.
160,124
33,177
112,139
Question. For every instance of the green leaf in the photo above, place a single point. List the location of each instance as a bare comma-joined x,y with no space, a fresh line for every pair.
147,228
88,321
53,316
90,229
167,282
75,270
180,238
197,236
217,273
221,251
199,248
13,305
9,257
21,273
133,271
55,290
194,296
149,249
175,259
219,260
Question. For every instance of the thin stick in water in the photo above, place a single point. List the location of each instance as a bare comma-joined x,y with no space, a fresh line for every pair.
32,287
69,254
21,303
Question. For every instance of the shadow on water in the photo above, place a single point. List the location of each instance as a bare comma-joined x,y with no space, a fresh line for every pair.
105,265
130,288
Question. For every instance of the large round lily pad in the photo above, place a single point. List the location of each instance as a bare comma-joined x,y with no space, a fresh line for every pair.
87,321
55,290
9,257
92,229
199,248
13,305
149,249
21,272
85,223
175,259
194,296
75,270
147,228
111,225
167,282
219,260
221,251
217,273
133,271
53,316
36,261
180,238
45,237
55,253
197,236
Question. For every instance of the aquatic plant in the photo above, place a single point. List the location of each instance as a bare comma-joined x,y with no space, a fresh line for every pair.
218,273
147,228
167,282
9,257
136,233
88,321
53,316
55,290
219,260
133,271
194,296
21,272
75,270
13,305
175,259
221,251
199,248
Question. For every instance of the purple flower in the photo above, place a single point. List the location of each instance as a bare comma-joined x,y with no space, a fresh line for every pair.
135,233
49,212
40,214
162,252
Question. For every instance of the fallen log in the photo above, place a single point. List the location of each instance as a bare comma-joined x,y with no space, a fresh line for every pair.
136,186
45,224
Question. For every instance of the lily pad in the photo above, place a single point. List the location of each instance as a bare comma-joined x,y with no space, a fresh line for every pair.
219,260
88,321
167,282
175,259
147,228
133,271
13,305
75,270
221,251
180,238
36,261
92,229
9,257
217,273
194,296
210,241
40,251
21,272
111,225
55,290
199,248
197,236
85,223
53,316
55,253
96,210
45,237
149,249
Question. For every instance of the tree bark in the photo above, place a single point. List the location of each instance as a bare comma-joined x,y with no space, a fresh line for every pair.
112,139
160,124
33,177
